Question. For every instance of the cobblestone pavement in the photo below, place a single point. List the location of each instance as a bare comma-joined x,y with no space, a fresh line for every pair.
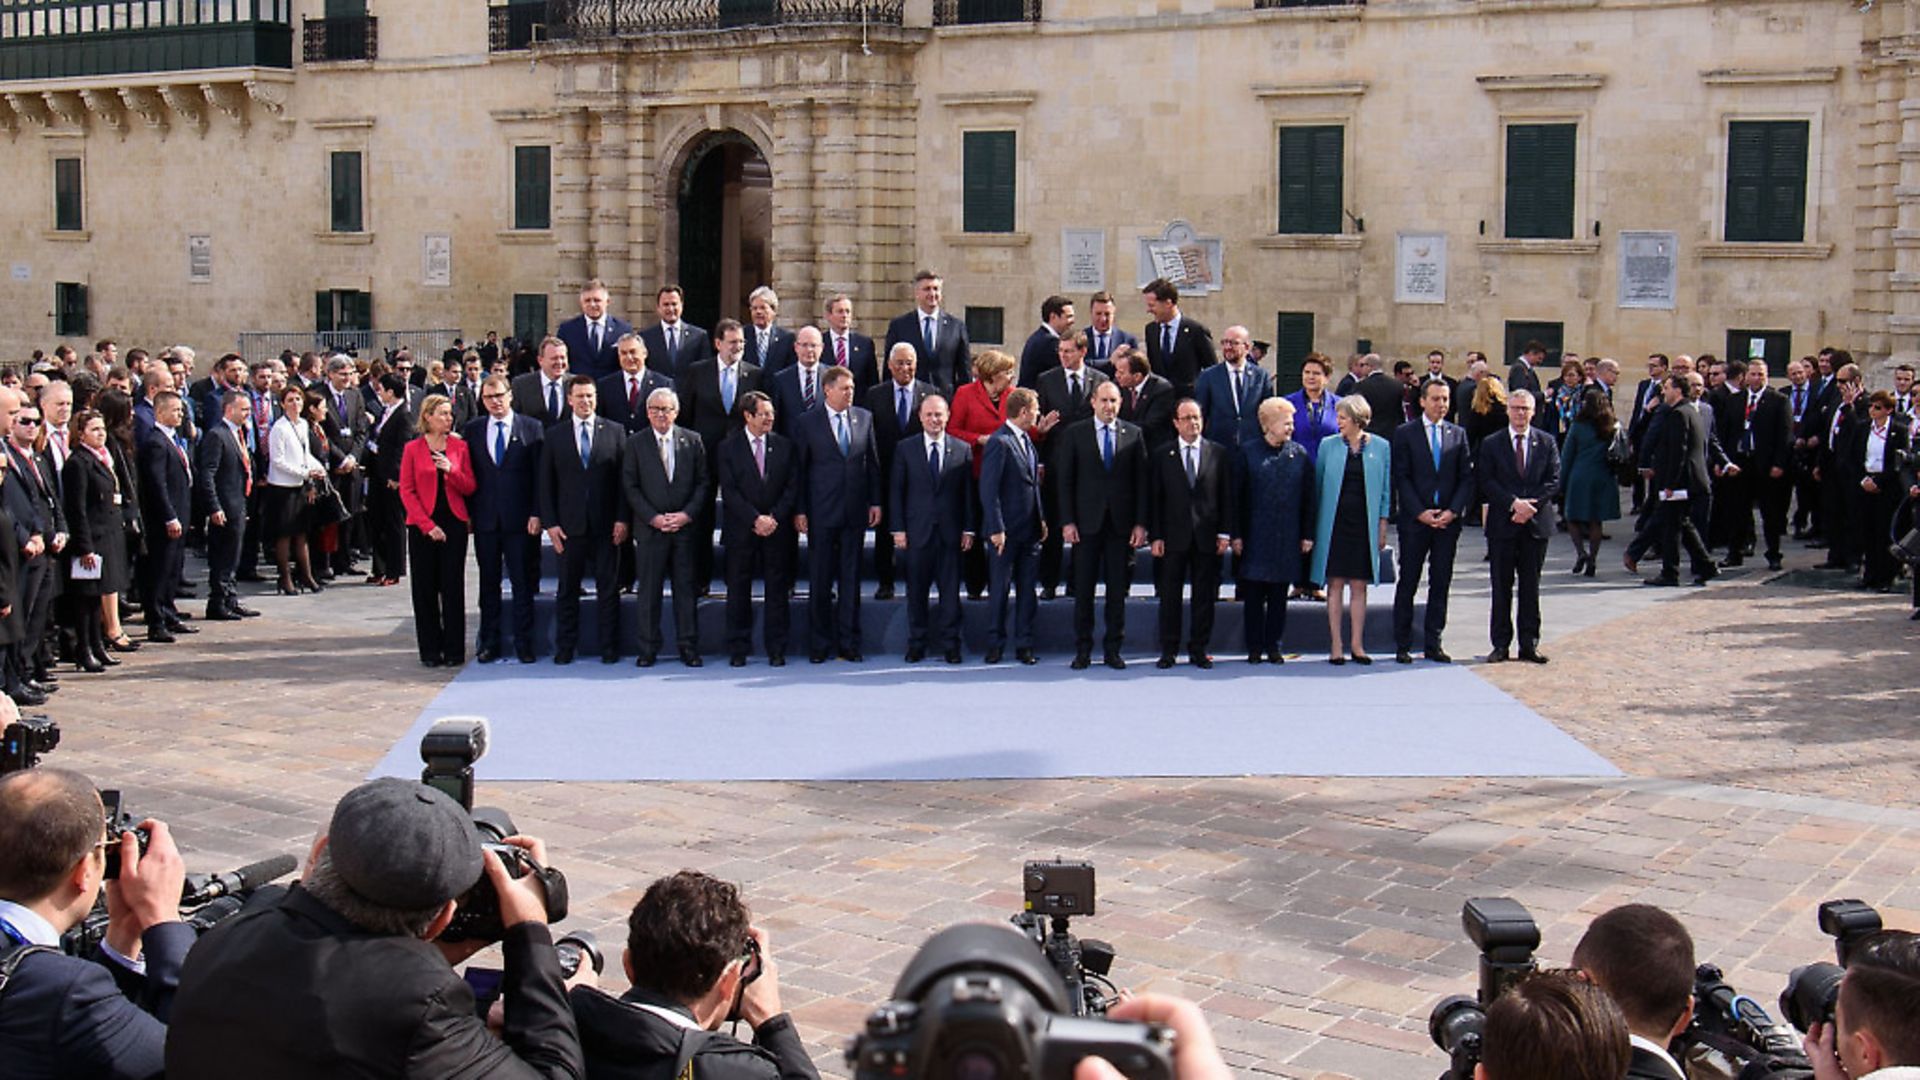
1763,731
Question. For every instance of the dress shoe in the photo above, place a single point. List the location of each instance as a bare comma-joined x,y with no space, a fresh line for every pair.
1081,661
159,635
1362,659
1403,657
853,656
1632,564
1336,661
1026,657
817,657
1049,593
456,660
1533,656
487,656
243,612
1707,574
24,696
563,656
1497,656
777,660
610,657
1202,661
689,658
123,643
1439,656
1774,563
1165,661
182,628
1915,616
39,687
183,616
737,660
222,615
429,661
1732,561
954,656
916,654
884,592
1276,657
993,656
1115,661
1662,581
525,656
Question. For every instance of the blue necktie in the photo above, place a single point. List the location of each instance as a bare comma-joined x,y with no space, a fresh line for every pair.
586,447
926,335
1106,445
1433,437
499,442
726,388
846,444
903,406
933,461
1166,342
553,400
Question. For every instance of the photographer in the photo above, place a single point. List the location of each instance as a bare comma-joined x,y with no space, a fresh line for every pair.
61,1015
341,974
1875,1034
694,961
1643,958
1554,1025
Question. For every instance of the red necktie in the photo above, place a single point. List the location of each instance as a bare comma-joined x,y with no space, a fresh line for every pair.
840,350
633,394
1520,455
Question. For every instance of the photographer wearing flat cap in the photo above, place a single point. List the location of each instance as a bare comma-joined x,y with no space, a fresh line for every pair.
341,974
64,1016
1643,958
695,961
1875,1034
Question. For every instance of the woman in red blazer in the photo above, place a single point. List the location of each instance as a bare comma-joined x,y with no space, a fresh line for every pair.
436,476
979,410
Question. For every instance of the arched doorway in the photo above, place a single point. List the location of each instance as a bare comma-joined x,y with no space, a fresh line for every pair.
726,226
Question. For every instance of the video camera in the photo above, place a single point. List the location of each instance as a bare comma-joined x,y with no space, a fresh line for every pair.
987,1002
24,740
449,748
1506,936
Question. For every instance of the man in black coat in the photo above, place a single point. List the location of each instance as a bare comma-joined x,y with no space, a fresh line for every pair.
223,474
1100,473
667,486
931,510
769,347
840,492
1066,398
623,394
1385,395
38,582
542,394
849,348
584,510
505,448
758,491
674,344
895,405
1432,467
1041,353
1190,519
1178,346
590,336
387,516
166,506
1677,436
1643,958
946,359
1519,472
1146,399
1525,375
1756,428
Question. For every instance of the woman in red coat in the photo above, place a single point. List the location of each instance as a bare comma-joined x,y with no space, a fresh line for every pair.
436,476
979,410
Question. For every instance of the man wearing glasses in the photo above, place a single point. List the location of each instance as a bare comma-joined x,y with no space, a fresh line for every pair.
506,527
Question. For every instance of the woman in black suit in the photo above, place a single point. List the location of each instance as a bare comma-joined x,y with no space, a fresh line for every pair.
96,534
116,409
1879,445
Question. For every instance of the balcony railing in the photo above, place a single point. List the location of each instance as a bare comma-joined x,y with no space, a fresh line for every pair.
351,37
52,39
1264,5
980,12
614,18
515,25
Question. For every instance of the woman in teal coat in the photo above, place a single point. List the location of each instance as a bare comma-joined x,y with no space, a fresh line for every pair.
1587,484
1350,526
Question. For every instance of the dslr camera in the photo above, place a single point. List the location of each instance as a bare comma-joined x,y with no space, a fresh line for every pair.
449,748
1812,989
24,740
982,1001
1506,936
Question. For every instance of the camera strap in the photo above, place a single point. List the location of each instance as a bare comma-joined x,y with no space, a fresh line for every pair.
12,955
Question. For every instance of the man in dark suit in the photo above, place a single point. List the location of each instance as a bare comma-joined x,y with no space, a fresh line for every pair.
65,1016
840,492
668,490
1525,375
1230,392
1190,517
1100,472
796,390
947,360
931,509
769,347
542,394
848,348
623,394
1806,491
1102,336
506,451
1642,957
1869,469
1385,395
347,427
1146,399
386,516
1757,432
1041,353
714,388
38,581
1066,398
1519,472
673,344
166,505
1437,372
591,337
757,472
1646,398
1012,518
1676,450
1178,347
584,510
1433,473
895,405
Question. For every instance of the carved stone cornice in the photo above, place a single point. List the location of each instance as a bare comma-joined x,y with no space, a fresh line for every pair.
66,106
187,103
146,103
228,98
105,104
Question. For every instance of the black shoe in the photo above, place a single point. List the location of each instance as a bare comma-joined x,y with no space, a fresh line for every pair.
689,658
1439,656
643,660
159,636
1362,659
429,661
1201,660
993,656
1115,661
954,656
777,660
182,628
884,592
24,696
243,612
486,656
1336,661
39,687
180,615
1049,593
222,615
1165,661
817,657
610,656
1731,562
1662,581
1708,574
1276,657
1533,656
1497,656
1403,657
525,656
1026,657
853,656
737,660
1081,661
90,663
563,656
1774,563
1916,615
916,654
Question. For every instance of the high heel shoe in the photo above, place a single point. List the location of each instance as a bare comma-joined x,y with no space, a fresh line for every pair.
311,585
286,588
123,643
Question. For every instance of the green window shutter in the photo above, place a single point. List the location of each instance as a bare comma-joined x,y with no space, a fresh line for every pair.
323,312
532,187
68,204
1540,164
986,325
347,216
1292,341
987,181
1312,168
530,317
69,309
1767,180
356,310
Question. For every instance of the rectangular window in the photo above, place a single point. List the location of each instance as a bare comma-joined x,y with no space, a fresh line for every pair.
1292,341
68,206
69,309
987,325
987,180
1519,333
1540,159
1767,180
342,310
532,187
1773,346
1312,163
530,317
348,213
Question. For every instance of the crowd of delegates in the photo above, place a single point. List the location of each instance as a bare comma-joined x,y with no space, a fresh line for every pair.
970,473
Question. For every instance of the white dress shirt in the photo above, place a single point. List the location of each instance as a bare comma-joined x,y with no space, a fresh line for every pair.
289,455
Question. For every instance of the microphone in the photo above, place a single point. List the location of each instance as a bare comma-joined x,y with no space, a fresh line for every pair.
202,888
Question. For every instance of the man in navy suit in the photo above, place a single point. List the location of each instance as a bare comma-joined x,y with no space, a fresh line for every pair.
623,394
840,491
758,494
796,389
1014,524
849,348
1100,467
674,345
1190,521
1102,336
895,405
1433,473
947,360
592,336
1231,391
667,487
542,394
1519,472
1178,347
64,1016
931,511
769,347
505,448
1041,353
584,509
166,505
1066,398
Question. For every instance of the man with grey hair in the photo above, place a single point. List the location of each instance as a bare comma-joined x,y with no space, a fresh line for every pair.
668,489
347,428
1519,473
769,347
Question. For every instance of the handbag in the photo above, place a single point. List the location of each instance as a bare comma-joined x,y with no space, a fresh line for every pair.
1388,567
327,507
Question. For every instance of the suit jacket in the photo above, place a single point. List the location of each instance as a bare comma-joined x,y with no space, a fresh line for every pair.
789,404
166,483
584,500
1642,413
389,442
1387,397
581,357
348,423
836,489
1644,1065
1150,407
32,470
62,1012
1192,517
1677,445
1116,337
613,397
861,360
1772,431
504,495
701,406
649,492
695,346
1055,396
779,352
1192,353
884,406
1093,496
950,364
1214,394
1415,478
465,404
745,494
1010,490
1039,355
1501,482
927,508
530,397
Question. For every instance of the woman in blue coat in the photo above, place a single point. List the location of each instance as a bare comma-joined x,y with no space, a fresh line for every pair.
1350,525
1273,476
1587,484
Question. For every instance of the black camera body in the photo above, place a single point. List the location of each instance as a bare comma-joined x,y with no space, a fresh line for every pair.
1813,989
120,820
1506,935
1054,893
449,748
24,740
1736,1029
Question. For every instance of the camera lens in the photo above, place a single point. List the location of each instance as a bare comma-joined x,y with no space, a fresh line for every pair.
976,1063
1810,995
